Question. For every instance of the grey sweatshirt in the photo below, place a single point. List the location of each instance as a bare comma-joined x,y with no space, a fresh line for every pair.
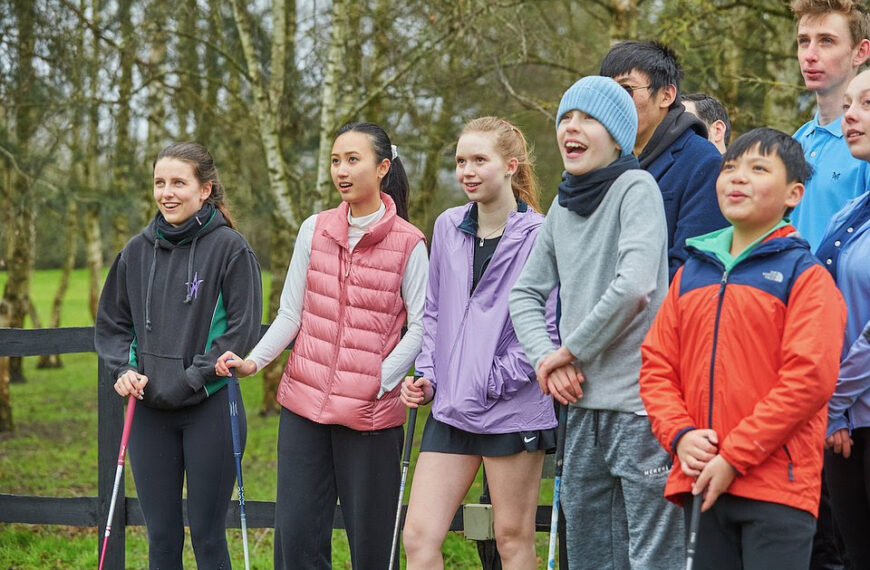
612,268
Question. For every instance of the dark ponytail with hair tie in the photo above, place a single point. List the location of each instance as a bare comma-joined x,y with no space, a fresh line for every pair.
395,183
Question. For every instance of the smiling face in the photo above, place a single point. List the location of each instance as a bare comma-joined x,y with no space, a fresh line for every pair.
584,143
856,116
357,173
481,171
826,53
178,193
753,191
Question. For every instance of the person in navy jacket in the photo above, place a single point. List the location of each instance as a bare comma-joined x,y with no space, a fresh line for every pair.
671,144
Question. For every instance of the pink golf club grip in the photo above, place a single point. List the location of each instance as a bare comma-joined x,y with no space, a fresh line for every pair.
125,435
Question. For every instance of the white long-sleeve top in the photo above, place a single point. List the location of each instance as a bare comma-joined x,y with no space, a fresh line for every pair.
286,325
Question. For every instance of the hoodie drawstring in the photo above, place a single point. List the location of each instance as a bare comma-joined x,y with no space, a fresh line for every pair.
150,284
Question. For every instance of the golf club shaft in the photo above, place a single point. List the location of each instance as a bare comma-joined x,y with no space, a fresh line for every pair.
233,397
406,461
119,470
557,484
694,522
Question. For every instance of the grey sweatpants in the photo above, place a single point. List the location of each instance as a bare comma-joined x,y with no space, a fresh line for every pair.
613,495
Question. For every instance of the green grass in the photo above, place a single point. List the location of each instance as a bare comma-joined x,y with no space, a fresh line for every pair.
53,452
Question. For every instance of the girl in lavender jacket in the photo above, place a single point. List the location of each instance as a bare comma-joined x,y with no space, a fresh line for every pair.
486,404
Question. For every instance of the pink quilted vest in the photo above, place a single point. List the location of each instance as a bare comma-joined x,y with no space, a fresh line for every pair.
352,317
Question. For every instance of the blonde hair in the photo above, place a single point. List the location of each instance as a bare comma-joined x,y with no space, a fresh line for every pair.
853,10
510,143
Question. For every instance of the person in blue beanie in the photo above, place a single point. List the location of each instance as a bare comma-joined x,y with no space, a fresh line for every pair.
605,242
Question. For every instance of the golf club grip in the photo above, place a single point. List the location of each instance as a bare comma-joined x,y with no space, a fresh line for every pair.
561,430
694,523
233,388
409,437
128,422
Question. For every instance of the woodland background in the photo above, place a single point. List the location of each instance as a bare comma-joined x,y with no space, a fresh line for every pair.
90,90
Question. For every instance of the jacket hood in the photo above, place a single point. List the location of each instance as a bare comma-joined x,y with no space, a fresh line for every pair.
151,234
676,122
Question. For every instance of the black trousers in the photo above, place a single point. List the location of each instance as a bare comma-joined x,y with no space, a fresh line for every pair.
744,534
318,463
849,486
164,446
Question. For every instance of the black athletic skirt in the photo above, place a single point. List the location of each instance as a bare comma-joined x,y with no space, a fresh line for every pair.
439,437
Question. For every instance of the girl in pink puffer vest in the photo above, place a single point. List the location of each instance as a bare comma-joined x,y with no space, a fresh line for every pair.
357,275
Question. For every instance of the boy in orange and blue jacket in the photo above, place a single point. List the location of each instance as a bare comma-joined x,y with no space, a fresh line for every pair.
740,362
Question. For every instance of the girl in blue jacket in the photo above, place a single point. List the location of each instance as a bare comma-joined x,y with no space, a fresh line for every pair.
845,251
486,403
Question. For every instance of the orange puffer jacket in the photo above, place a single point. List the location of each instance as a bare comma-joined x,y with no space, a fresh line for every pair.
352,317
751,352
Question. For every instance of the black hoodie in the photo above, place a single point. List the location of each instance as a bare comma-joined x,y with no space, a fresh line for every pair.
169,310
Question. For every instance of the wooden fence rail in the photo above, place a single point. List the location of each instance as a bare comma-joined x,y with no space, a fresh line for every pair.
92,511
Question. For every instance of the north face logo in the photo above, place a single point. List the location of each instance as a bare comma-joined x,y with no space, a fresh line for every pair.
773,276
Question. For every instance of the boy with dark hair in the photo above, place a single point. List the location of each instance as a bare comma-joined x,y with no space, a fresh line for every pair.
611,287
714,115
740,362
832,44
671,144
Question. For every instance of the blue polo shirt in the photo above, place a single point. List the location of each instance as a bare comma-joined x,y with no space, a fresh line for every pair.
838,177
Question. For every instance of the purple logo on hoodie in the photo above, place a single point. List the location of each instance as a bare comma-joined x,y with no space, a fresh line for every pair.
193,286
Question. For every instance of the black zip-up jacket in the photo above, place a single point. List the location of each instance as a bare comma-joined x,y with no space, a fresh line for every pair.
169,310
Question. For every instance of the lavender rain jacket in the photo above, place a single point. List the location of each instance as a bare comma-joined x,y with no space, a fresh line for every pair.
484,382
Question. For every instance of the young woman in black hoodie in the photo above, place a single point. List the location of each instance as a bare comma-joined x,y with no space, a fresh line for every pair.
182,292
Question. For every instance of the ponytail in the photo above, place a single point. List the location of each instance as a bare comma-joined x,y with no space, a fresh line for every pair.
395,183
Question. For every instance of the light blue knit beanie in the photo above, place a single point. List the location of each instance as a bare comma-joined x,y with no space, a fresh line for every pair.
607,102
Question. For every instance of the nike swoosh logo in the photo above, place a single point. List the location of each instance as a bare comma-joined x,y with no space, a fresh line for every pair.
530,439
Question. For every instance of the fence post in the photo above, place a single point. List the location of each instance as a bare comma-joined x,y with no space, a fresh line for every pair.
110,424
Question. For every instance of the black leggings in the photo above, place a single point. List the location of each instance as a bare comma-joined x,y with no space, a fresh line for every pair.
164,444
849,486
316,464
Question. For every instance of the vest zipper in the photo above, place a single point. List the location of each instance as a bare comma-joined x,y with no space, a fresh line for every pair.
715,342
342,301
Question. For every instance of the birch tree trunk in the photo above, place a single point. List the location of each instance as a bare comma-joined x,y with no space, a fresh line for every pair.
282,240
124,171
265,108
71,242
91,219
623,25
155,139
329,99
20,232
269,100
282,235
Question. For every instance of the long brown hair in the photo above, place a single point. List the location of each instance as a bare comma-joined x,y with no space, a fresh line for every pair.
510,143
204,169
